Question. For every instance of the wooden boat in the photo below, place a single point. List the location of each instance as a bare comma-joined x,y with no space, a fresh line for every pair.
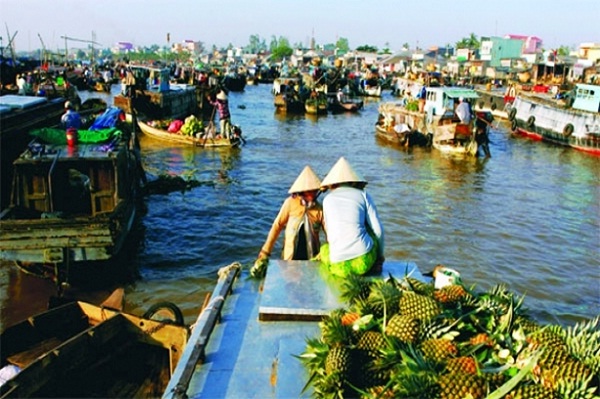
316,106
159,99
204,140
404,138
79,350
347,104
453,137
262,326
71,205
571,122
286,104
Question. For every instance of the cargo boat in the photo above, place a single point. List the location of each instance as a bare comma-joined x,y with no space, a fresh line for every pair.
262,326
71,205
543,118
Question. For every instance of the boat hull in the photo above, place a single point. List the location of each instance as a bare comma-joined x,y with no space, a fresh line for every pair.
175,138
263,326
82,350
542,121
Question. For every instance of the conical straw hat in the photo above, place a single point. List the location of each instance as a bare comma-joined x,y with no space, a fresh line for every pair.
341,172
307,180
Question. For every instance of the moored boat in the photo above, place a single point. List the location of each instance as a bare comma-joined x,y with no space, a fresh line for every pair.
71,204
79,349
203,138
542,118
345,104
154,97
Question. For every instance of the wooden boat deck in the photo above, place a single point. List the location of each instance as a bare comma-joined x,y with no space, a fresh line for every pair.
263,325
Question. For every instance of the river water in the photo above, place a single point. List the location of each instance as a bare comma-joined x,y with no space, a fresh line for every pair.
529,217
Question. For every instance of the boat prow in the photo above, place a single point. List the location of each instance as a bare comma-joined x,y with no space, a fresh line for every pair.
263,326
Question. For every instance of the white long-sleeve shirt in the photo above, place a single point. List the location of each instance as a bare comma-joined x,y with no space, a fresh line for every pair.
346,211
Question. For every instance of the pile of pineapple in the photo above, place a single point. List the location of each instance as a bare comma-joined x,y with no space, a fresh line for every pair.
403,338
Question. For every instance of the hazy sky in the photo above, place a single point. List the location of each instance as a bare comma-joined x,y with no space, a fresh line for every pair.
381,23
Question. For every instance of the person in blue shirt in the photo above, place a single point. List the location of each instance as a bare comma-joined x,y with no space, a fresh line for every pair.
355,236
71,118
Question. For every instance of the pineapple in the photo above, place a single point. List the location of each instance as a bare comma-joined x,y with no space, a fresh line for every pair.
438,350
531,391
371,343
450,294
405,328
419,306
462,364
482,339
461,385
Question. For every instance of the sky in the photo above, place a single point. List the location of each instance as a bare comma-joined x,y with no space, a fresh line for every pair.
380,23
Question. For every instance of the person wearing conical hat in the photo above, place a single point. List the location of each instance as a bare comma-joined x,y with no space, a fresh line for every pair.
355,237
222,105
302,218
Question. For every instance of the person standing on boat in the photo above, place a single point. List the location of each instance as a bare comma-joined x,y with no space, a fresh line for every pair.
222,105
71,118
301,216
463,111
355,236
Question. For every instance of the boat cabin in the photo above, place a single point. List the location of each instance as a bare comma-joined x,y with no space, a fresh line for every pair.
54,180
442,100
587,97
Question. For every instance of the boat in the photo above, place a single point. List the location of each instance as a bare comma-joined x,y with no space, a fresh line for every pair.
234,81
79,349
71,205
347,104
453,137
155,97
403,137
263,326
316,105
201,139
423,116
571,122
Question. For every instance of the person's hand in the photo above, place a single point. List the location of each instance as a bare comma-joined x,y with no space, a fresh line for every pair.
259,269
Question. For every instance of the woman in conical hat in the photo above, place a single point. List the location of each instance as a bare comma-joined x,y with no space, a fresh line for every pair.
302,218
355,237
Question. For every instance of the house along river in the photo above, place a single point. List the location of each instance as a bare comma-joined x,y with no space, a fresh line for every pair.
529,217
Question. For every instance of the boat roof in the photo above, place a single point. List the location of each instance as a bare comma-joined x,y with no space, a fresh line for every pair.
263,327
455,92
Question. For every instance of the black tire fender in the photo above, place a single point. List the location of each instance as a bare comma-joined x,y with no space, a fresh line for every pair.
568,129
512,113
513,125
480,104
531,121
175,316
494,106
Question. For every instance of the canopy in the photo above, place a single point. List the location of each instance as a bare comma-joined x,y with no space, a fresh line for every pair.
58,136
464,93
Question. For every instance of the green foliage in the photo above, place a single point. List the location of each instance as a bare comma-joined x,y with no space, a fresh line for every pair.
280,48
367,48
470,42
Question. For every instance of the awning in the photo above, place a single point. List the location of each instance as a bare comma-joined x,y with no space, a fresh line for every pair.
464,93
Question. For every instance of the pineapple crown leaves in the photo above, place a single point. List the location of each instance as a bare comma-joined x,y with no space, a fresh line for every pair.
578,388
355,287
583,342
509,385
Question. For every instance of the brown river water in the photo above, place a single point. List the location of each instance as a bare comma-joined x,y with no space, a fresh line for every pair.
529,217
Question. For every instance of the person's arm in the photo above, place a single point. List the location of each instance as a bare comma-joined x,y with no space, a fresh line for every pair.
375,223
278,225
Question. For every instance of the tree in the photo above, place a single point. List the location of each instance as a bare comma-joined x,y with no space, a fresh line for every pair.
367,48
470,42
564,51
342,45
280,48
